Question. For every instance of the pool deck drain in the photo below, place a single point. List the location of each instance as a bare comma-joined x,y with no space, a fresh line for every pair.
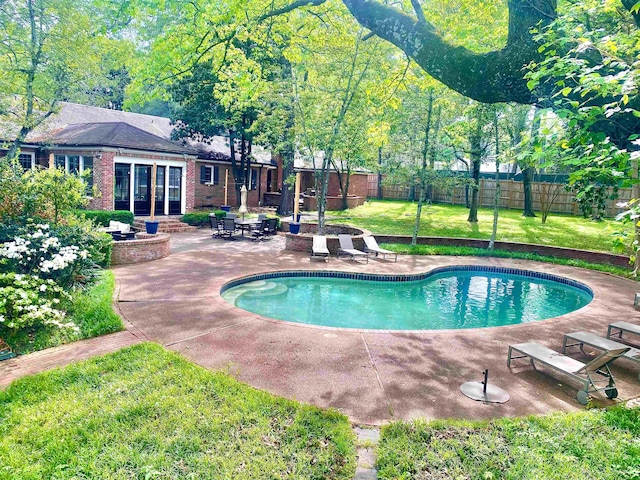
371,376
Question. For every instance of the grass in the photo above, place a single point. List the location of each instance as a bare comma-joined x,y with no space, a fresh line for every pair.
91,311
600,444
398,218
483,252
146,413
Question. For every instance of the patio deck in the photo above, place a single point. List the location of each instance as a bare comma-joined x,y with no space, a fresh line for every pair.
371,376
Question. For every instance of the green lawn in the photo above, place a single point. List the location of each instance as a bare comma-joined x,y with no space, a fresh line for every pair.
91,311
398,218
147,413
593,444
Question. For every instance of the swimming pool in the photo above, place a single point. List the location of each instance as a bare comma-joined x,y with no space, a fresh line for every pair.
445,298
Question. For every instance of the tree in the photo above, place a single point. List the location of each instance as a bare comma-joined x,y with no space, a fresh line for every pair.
42,41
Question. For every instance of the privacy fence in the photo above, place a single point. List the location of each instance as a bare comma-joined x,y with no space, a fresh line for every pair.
511,195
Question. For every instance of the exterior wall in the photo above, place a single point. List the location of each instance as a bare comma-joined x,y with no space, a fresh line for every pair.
190,185
213,195
103,181
357,184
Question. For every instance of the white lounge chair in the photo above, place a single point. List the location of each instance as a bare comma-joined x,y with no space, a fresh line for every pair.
589,374
371,246
347,249
319,248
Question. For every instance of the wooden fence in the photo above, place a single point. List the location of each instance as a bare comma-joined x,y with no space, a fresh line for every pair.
511,195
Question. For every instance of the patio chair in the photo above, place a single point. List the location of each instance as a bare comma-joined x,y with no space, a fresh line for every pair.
588,374
216,226
231,215
228,227
262,216
618,328
259,232
371,246
347,249
272,226
319,248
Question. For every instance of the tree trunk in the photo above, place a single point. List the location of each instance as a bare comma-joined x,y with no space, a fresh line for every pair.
379,173
496,197
285,207
423,170
476,160
527,177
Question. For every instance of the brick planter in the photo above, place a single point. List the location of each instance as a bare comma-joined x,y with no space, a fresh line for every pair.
303,241
143,249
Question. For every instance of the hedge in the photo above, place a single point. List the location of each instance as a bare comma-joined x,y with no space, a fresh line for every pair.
199,219
103,217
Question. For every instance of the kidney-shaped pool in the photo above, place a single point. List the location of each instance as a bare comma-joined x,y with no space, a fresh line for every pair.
444,298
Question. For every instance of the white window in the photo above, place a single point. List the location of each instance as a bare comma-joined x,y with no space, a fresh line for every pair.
209,175
27,161
76,164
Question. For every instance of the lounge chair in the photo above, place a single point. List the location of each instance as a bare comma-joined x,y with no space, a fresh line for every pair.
588,374
319,248
347,249
618,328
591,339
371,246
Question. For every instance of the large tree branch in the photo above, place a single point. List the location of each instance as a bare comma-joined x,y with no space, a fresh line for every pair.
289,8
488,77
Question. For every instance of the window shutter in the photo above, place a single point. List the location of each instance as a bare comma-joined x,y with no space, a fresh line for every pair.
203,174
216,175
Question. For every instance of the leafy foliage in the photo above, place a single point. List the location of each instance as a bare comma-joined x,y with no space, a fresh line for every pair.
103,217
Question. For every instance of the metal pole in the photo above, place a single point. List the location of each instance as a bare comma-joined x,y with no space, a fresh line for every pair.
484,384
226,184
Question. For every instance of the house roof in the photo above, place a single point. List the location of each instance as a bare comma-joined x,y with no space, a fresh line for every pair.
114,134
73,114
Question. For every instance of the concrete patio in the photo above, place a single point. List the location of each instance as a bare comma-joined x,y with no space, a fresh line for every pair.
371,376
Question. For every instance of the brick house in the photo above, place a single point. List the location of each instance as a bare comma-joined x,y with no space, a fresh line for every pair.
120,148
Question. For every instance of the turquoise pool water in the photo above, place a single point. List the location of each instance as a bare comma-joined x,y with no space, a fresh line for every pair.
450,299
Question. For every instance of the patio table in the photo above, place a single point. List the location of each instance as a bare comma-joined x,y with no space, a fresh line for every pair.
244,225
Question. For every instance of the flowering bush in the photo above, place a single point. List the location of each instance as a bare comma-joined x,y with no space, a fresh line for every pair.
40,254
27,300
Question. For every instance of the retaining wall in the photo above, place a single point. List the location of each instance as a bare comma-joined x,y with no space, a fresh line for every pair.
143,249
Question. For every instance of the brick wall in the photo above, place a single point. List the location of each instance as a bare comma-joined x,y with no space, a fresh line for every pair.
103,173
191,183
213,195
143,249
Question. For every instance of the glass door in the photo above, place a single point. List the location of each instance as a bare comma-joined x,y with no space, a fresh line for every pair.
142,190
121,192
160,177
175,190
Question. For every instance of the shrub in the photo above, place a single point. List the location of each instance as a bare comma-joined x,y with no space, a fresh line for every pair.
197,219
81,232
27,300
57,191
16,200
103,217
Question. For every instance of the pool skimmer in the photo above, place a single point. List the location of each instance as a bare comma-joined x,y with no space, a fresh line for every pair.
483,391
